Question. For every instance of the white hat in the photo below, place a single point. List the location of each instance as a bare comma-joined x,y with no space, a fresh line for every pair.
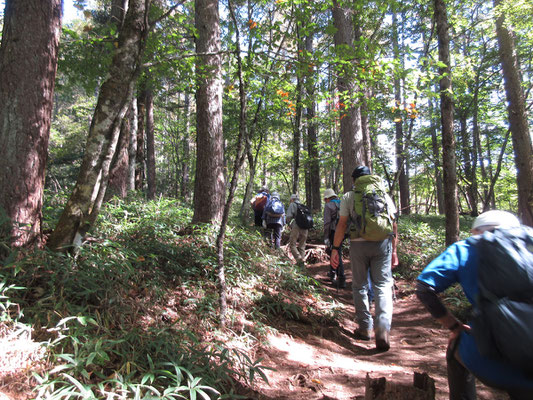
329,193
495,218
294,197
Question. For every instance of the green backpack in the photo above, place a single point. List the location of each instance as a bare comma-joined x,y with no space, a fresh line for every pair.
373,221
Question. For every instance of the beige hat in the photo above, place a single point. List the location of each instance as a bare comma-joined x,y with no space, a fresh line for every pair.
495,218
329,193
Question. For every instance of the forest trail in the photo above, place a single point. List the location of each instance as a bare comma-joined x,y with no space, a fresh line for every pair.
328,363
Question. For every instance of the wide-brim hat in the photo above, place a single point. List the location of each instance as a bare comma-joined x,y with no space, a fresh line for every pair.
496,218
329,193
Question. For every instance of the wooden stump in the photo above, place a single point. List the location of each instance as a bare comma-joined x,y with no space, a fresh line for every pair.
423,388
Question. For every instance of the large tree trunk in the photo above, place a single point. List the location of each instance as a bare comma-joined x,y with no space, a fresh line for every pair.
84,203
209,181
150,145
446,112
28,61
350,114
518,119
436,157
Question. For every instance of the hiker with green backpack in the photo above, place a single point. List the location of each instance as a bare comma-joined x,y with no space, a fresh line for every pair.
369,211
495,270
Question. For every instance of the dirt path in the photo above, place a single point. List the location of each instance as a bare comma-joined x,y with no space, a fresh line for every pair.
329,363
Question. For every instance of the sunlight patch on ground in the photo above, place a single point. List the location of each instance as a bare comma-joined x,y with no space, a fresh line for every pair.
18,352
306,354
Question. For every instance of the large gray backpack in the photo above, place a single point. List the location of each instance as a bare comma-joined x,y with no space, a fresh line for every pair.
502,324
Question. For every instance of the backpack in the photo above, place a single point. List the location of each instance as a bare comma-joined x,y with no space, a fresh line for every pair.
335,220
260,202
502,322
275,208
303,218
373,221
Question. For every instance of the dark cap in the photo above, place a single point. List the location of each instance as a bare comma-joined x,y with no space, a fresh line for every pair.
360,171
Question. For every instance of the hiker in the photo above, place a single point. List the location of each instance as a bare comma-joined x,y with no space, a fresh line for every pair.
299,220
470,262
259,203
274,219
331,216
370,212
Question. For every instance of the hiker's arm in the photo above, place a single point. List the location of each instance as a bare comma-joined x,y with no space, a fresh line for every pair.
430,299
337,240
394,260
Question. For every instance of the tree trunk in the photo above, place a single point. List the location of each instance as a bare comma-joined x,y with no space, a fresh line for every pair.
350,114
446,112
84,203
132,148
118,172
315,199
436,157
518,119
28,61
150,145
209,181
140,157
184,187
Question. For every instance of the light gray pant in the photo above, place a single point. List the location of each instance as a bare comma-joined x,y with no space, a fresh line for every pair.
297,240
374,257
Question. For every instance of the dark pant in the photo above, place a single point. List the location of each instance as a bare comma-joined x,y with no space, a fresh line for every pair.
258,217
275,234
339,272
462,382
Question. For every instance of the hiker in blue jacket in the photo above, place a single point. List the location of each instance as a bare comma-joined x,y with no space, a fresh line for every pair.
274,219
459,263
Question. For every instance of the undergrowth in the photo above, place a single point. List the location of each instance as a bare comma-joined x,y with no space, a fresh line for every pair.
134,314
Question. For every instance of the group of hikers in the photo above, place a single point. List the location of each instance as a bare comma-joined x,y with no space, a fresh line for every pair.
494,267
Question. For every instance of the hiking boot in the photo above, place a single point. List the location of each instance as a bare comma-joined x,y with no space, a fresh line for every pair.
362,334
382,339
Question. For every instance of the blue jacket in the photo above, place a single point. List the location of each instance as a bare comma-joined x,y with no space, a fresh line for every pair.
459,264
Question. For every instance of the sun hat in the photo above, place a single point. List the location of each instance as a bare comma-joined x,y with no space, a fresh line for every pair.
495,218
329,193
294,197
360,171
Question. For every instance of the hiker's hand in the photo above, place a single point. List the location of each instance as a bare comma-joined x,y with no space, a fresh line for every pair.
454,334
394,259
334,259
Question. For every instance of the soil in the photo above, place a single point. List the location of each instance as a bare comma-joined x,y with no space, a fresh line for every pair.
329,363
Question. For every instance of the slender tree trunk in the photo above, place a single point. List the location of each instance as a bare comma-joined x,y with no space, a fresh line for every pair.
141,114
118,172
28,63
350,113
186,149
132,148
297,130
150,145
315,199
209,181
518,119
84,203
448,139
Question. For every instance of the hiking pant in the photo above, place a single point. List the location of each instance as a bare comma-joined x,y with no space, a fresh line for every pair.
258,217
373,257
297,240
275,234
462,381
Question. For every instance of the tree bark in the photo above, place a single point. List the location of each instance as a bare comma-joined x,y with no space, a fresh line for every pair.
132,147
141,135
186,149
118,172
209,182
150,145
350,114
84,203
28,64
446,112
518,119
